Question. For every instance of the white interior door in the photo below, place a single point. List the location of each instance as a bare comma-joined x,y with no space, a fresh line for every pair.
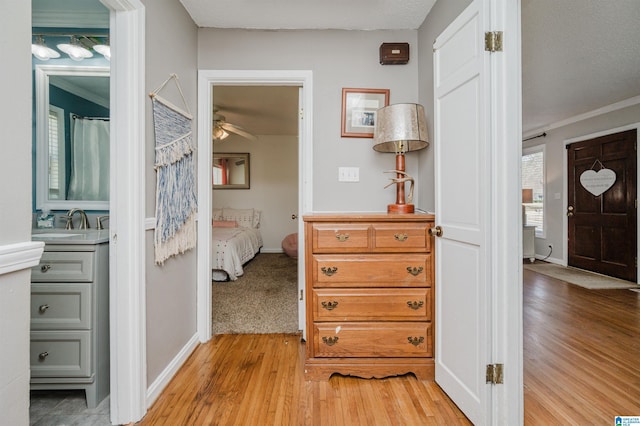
462,198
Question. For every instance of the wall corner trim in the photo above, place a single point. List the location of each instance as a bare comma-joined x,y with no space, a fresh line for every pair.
19,256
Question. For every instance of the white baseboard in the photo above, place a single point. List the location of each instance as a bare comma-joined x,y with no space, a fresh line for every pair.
158,385
271,250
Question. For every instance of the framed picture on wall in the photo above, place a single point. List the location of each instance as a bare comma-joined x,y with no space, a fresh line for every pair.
359,109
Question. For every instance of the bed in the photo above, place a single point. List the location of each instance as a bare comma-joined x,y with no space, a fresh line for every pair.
236,240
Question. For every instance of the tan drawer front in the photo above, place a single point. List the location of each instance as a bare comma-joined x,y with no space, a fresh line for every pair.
60,353
401,270
397,304
64,266
406,237
342,237
60,306
403,339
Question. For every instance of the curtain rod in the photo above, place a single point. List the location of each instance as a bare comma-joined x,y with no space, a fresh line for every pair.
541,135
76,117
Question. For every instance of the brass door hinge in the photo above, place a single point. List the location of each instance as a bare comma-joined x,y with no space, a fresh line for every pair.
495,374
493,41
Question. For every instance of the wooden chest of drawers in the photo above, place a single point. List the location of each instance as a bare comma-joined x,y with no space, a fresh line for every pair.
369,286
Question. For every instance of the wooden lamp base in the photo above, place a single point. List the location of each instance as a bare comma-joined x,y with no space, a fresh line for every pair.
400,208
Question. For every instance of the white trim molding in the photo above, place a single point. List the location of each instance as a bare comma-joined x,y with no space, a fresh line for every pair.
19,256
206,79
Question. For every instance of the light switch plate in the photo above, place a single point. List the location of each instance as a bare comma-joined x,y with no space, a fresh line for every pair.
348,174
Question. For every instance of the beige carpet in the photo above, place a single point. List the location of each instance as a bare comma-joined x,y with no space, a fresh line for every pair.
579,277
262,301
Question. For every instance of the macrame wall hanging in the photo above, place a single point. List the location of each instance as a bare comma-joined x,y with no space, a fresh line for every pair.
597,182
176,199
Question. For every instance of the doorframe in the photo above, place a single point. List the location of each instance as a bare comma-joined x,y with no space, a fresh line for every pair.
127,313
565,183
206,79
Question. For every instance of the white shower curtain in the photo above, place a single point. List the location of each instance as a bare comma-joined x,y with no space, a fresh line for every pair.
89,160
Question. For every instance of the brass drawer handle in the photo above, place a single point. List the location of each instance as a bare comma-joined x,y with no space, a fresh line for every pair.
45,268
415,305
329,271
342,237
400,237
42,356
415,341
415,271
330,306
330,341
43,308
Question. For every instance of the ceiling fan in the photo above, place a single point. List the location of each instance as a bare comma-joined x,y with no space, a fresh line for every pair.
221,128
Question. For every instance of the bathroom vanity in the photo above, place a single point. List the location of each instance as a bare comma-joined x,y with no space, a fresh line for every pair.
70,313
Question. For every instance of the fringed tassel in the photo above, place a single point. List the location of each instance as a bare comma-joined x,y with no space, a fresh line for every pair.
183,240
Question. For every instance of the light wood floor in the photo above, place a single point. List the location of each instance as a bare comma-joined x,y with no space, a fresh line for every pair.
579,360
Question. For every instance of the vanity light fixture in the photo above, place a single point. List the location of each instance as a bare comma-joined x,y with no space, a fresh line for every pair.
75,50
104,49
41,51
400,128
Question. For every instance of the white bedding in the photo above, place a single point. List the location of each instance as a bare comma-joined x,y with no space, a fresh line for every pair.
232,248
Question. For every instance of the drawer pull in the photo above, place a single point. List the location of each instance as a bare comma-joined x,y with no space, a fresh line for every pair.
329,271
330,341
415,305
43,355
43,308
415,271
342,237
330,306
45,268
415,341
400,237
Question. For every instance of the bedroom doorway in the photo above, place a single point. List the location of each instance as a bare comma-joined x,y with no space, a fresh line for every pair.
255,172
266,194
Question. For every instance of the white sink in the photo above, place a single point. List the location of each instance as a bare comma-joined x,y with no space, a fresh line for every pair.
50,235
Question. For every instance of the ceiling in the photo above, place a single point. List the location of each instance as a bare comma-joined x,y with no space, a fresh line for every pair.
577,55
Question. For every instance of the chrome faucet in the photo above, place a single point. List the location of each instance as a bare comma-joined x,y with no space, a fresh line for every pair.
84,222
99,220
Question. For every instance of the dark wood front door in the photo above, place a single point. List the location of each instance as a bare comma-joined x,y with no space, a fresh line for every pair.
602,228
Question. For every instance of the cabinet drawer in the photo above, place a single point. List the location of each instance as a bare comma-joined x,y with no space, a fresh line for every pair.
366,340
60,306
60,353
331,237
389,270
64,266
401,237
390,304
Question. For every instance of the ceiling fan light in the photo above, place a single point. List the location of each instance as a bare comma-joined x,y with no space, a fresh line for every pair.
41,51
219,133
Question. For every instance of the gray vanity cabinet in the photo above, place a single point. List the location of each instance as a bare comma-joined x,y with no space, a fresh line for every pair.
70,320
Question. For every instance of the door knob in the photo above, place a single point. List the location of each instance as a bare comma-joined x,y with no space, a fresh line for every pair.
570,211
436,231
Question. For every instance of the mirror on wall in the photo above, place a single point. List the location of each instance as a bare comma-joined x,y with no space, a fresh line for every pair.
72,137
230,170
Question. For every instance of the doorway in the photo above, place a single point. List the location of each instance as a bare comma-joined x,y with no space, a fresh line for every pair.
601,207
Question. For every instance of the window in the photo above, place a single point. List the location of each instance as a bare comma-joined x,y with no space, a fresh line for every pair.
56,164
533,188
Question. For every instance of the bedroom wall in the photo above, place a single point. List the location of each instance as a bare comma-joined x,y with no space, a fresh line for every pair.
440,16
171,40
273,188
337,59
555,186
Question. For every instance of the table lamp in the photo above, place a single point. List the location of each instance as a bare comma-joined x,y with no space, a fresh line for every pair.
400,128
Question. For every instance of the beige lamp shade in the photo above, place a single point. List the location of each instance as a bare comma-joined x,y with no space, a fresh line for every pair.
400,128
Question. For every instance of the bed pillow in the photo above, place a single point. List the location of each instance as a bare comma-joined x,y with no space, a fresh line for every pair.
256,218
225,224
244,217
217,214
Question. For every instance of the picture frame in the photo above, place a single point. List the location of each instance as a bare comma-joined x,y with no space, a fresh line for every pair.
231,170
359,109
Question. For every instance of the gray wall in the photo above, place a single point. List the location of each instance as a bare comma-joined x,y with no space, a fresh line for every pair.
440,16
15,207
337,59
171,288
555,166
